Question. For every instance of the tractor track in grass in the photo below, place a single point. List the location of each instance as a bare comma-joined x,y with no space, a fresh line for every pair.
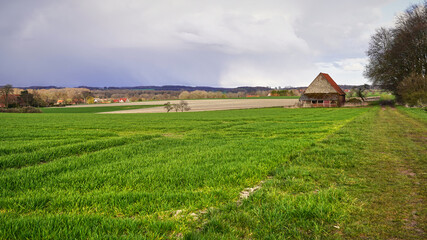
384,182
195,166
417,135
46,155
394,193
246,193
32,147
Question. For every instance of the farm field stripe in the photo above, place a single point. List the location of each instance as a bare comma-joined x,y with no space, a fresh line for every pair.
344,187
15,148
304,199
393,192
419,114
46,155
192,162
89,227
248,191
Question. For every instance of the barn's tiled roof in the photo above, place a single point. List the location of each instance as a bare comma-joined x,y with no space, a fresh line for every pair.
333,83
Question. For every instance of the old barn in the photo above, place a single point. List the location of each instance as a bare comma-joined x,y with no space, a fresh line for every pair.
323,92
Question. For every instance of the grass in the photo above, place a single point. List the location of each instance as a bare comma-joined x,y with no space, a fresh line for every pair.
93,109
178,175
364,181
391,188
418,113
387,97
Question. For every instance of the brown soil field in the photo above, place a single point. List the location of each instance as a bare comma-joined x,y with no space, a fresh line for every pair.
203,105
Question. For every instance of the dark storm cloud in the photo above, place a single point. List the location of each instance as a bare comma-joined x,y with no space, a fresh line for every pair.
215,43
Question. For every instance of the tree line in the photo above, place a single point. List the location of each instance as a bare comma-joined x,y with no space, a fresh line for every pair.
14,97
398,57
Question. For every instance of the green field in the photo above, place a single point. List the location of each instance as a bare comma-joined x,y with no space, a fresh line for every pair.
272,97
93,109
417,113
147,176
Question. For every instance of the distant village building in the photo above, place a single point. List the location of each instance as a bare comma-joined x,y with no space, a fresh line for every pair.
323,92
120,100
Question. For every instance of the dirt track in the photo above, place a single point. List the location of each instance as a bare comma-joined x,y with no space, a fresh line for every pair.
207,105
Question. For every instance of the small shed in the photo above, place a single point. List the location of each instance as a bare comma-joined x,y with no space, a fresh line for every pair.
323,92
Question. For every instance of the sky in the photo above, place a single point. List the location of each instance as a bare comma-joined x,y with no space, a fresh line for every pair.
218,43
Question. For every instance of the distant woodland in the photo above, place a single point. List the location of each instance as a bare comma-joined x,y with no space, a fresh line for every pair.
17,97
11,97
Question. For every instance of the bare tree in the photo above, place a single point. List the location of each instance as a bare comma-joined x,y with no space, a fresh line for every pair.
5,91
361,91
176,107
168,106
181,106
27,98
184,106
37,98
399,52
86,94
184,95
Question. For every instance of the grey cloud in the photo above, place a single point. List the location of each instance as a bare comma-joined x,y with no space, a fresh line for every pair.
192,42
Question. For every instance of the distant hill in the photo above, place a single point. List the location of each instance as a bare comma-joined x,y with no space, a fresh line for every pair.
186,88
189,88
41,87
167,88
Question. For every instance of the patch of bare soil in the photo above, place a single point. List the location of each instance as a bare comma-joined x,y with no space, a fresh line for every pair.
408,173
249,191
246,193
212,105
